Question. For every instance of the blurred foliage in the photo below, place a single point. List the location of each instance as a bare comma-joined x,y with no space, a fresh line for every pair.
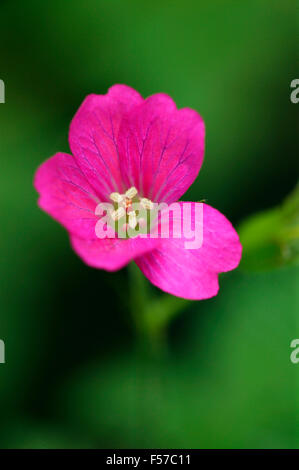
271,238
231,386
73,376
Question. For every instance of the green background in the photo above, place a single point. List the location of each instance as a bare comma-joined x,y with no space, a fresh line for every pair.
73,375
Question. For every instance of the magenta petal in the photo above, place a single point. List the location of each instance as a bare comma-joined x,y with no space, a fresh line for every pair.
161,148
66,195
93,137
111,253
193,273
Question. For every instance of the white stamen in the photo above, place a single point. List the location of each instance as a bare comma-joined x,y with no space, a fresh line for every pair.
132,219
123,205
116,197
131,192
146,203
118,214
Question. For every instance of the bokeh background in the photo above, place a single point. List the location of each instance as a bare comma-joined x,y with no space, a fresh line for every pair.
73,375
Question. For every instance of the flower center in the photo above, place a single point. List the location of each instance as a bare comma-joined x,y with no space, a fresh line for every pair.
131,212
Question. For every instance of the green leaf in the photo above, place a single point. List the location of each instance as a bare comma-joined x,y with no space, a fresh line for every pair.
271,238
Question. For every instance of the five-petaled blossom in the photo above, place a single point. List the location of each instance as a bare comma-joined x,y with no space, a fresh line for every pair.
124,149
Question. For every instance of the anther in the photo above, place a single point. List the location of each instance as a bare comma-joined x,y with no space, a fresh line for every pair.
146,203
131,192
118,214
132,219
116,197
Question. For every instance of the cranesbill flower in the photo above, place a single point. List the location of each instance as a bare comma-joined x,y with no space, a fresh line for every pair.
126,149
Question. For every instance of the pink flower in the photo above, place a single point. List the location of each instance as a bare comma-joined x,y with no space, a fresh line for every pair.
122,142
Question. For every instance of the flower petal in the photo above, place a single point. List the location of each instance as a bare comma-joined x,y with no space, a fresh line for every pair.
66,195
93,137
111,253
161,148
193,273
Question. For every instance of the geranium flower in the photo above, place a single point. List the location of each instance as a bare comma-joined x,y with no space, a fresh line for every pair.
126,148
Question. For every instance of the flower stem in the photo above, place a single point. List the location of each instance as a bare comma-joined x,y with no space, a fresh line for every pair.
151,314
